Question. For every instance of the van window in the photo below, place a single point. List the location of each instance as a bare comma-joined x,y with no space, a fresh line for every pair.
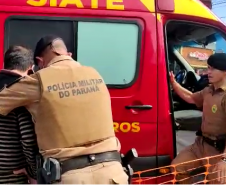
111,48
27,32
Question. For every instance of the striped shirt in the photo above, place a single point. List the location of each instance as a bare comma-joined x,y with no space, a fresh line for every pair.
18,144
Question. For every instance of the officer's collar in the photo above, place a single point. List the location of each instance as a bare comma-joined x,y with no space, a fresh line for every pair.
59,58
10,72
222,88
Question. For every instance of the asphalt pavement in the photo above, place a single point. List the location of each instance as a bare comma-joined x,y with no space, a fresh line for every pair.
184,138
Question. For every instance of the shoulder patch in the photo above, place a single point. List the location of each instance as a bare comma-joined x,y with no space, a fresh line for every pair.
10,84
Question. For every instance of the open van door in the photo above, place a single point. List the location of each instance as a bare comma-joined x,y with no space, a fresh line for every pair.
134,99
166,149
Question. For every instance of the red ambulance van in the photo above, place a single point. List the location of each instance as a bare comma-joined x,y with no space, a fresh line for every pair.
133,44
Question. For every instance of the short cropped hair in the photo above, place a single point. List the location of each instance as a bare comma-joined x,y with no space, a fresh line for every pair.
18,58
217,61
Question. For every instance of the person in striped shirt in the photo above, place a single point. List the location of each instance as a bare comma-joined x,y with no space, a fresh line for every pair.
18,144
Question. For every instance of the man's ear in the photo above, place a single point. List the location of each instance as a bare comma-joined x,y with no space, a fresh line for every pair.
39,59
39,62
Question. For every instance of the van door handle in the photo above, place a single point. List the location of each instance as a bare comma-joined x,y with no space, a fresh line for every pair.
141,107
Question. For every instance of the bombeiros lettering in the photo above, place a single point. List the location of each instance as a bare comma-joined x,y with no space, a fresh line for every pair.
110,4
126,127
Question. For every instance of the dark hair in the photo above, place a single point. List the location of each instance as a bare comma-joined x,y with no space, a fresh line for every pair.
19,58
217,61
42,44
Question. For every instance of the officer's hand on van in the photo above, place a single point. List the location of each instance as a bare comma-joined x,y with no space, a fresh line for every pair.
172,78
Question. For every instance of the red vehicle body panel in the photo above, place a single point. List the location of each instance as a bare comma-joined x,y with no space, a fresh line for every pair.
151,132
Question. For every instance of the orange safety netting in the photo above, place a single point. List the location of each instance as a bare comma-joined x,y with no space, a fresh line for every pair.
200,171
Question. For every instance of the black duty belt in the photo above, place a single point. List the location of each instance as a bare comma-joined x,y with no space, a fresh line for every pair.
210,141
89,160
219,144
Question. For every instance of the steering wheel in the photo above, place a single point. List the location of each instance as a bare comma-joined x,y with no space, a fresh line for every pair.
181,76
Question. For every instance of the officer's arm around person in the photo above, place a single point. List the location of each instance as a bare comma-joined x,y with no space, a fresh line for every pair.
22,92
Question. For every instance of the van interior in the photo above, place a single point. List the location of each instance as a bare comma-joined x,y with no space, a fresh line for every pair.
188,117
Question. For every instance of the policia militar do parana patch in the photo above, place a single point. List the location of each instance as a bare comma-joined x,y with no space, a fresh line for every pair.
67,89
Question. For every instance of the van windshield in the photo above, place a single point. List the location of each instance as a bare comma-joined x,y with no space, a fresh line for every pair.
195,43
